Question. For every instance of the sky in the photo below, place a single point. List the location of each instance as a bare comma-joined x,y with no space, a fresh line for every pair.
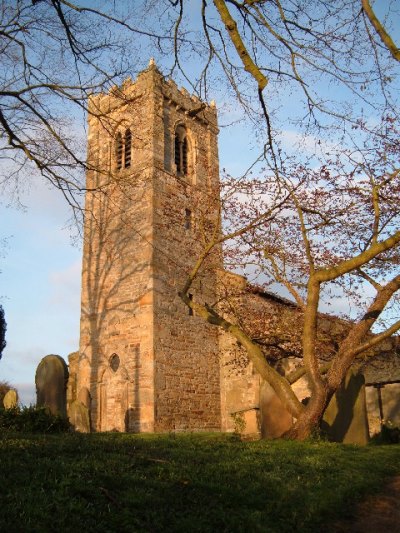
40,271
40,265
39,287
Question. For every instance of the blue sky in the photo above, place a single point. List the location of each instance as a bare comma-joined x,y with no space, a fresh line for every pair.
39,286
40,274
40,268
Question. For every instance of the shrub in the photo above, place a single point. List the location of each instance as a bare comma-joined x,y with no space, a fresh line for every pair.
32,420
388,435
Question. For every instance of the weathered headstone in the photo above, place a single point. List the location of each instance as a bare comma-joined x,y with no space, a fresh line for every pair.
345,419
10,399
51,384
275,419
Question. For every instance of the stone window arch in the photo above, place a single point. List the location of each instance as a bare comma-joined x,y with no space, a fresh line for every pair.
181,146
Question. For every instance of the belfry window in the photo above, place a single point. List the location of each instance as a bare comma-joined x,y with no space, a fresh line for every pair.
181,151
123,149
128,148
119,149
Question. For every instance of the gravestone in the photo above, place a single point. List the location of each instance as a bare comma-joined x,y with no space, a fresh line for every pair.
51,384
10,399
79,416
79,411
345,419
275,419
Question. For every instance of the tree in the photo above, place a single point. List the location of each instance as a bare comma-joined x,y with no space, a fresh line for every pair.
338,62
337,234
3,329
54,54
322,225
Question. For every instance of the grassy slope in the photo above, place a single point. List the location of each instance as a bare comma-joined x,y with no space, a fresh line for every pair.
184,483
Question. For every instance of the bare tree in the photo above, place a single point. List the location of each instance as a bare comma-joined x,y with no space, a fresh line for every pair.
326,70
337,228
3,329
54,54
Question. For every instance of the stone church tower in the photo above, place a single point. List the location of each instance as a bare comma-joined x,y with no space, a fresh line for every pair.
145,363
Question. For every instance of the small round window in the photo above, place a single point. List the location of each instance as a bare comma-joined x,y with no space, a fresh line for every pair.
114,362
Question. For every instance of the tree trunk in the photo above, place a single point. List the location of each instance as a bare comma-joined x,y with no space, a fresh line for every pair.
309,420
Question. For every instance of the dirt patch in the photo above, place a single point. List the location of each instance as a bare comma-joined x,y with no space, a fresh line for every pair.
375,514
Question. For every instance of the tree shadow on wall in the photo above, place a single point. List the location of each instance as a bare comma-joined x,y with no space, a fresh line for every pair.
116,254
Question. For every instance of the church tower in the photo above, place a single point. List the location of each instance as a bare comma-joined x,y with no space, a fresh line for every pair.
145,362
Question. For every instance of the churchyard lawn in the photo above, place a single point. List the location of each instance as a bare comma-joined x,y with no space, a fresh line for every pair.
186,482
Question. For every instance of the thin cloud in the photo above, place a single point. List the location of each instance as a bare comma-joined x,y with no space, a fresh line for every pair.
309,144
66,286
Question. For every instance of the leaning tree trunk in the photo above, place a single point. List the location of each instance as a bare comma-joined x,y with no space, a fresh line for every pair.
309,420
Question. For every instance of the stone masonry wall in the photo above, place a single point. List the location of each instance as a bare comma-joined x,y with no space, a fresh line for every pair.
187,379
116,345
145,363
242,389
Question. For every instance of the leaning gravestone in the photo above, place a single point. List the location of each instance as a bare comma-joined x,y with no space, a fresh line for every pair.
51,384
345,419
10,399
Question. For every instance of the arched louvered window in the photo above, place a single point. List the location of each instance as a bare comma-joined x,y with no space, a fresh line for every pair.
119,148
181,151
128,148
185,155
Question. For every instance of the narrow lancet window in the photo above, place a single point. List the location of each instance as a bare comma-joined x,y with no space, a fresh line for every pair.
181,151
188,219
119,150
128,148
185,156
177,153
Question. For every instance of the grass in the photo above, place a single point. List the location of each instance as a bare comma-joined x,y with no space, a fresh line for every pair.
214,482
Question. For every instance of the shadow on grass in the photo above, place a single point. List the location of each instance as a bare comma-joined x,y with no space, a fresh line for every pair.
120,482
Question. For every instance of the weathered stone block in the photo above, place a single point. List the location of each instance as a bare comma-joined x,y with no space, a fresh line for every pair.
275,419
